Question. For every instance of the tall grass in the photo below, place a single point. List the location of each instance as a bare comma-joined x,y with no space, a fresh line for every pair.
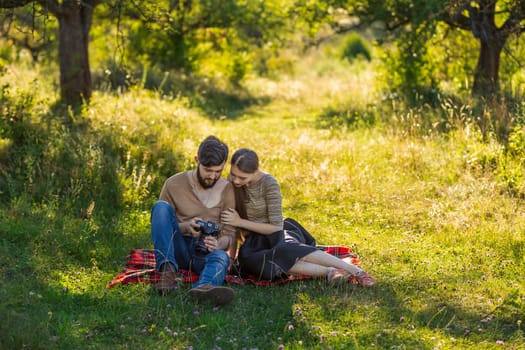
437,217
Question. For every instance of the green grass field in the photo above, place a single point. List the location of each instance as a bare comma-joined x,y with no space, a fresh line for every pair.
432,216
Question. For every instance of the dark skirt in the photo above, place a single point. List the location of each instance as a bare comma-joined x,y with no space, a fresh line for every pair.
269,257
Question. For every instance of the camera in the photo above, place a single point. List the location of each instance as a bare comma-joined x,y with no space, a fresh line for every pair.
207,228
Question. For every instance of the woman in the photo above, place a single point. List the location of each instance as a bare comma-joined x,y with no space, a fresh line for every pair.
272,249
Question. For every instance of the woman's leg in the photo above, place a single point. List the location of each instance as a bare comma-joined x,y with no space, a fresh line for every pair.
305,268
335,276
327,260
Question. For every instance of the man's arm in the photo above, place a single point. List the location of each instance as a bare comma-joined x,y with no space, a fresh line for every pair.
227,237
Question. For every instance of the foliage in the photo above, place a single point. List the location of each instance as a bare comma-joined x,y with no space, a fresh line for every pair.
208,38
356,47
109,161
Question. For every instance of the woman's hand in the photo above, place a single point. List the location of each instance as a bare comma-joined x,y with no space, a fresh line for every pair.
230,217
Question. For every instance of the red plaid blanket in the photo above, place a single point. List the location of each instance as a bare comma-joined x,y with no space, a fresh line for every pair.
140,267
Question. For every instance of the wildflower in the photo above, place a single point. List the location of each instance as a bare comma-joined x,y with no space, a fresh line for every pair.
290,327
333,333
485,320
402,319
280,347
196,313
122,327
215,309
500,342
175,334
167,330
217,338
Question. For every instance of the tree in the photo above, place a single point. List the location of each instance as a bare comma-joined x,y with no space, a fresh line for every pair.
491,22
481,18
74,18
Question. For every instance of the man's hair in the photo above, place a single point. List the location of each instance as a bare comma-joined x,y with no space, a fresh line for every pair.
212,151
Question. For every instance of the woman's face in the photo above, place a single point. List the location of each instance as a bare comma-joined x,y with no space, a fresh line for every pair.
240,178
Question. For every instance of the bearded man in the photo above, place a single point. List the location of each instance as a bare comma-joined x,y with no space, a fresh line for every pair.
186,228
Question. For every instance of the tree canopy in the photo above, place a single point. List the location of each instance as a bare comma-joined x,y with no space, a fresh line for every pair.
491,22
232,37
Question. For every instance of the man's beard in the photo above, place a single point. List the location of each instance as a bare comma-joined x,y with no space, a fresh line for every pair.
202,182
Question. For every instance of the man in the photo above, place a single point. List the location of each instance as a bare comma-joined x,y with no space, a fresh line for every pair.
191,202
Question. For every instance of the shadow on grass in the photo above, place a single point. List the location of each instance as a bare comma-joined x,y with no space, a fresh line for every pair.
216,101
397,315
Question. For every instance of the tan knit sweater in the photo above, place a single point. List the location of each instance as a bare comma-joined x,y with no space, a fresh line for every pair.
179,190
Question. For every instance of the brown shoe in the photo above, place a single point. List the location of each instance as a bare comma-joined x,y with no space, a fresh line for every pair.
168,281
337,276
365,279
218,295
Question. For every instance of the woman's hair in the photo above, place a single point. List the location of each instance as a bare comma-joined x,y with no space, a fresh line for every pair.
212,152
247,161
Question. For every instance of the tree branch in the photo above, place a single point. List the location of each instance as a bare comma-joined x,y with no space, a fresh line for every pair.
455,17
52,6
8,4
513,22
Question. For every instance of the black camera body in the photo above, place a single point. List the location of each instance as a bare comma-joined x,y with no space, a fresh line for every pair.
207,228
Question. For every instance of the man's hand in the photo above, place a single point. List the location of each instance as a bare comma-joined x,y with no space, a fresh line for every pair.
211,243
193,228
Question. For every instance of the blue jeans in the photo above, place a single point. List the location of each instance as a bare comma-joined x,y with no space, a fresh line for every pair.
171,246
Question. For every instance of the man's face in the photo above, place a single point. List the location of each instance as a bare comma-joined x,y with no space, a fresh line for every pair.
209,175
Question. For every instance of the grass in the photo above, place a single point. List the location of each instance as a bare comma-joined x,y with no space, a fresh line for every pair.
429,216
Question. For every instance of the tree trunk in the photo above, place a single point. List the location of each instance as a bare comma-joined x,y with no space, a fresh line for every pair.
75,75
486,79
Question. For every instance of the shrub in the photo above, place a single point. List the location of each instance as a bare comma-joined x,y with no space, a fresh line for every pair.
356,47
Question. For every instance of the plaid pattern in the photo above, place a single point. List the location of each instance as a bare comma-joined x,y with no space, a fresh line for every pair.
140,268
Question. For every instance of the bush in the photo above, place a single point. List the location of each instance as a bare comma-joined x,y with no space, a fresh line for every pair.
356,47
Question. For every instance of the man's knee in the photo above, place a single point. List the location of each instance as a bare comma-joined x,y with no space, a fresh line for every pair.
161,208
219,256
